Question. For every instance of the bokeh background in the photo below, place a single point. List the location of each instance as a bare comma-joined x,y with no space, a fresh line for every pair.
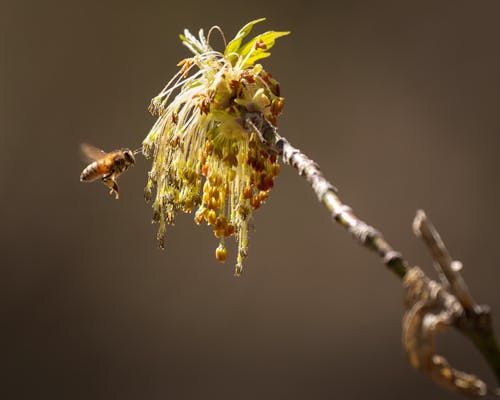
398,101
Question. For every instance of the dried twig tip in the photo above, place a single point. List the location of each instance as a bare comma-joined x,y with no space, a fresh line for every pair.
417,222
447,268
430,309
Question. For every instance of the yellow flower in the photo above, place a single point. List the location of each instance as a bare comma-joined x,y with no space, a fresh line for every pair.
204,157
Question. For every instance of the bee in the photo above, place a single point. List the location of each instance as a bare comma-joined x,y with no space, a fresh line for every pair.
106,166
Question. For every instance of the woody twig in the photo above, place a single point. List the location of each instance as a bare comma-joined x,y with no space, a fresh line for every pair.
447,268
430,306
475,320
327,193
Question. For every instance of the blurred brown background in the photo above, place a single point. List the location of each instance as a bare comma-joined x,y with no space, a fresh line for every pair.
398,101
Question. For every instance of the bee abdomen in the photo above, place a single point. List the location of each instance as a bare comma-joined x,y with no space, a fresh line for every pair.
91,172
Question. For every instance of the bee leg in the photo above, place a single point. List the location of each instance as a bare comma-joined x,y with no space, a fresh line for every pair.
111,183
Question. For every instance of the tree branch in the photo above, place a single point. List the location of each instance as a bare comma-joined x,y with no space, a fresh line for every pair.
447,268
472,320
363,233
475,322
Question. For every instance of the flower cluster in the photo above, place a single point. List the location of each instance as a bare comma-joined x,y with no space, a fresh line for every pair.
204,155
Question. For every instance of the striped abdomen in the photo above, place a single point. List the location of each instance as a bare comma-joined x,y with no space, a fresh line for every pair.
94,171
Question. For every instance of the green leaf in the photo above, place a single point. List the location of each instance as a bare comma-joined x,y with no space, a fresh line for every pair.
267,38
234,45
256,56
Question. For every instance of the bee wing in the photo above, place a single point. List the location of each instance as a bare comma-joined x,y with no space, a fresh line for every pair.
91,153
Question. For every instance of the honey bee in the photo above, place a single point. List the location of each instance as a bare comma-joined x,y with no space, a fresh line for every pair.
106,166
